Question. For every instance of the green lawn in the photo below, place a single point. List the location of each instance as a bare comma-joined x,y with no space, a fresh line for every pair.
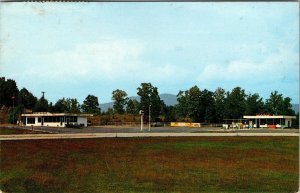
177,164
13,131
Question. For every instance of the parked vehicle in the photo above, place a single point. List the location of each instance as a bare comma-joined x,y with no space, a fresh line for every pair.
76,126
157,123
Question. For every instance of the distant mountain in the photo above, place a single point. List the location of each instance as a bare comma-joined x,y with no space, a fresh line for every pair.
105,106
169,99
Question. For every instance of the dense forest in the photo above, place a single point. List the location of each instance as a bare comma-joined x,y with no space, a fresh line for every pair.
194,104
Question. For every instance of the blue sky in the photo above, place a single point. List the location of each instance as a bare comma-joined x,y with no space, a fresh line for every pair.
76,49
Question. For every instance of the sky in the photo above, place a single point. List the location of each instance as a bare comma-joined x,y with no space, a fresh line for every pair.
76,49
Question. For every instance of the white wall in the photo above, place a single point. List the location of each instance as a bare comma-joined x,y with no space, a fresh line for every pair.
82,120
286,122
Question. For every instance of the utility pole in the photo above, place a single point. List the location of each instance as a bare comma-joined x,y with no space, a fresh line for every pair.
149,117
13,98
43,92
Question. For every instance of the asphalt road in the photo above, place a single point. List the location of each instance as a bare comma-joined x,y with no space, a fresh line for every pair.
112,131
118,135
132,129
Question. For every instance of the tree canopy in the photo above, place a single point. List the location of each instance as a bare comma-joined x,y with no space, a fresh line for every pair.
149,96
91,105
193,104
120,99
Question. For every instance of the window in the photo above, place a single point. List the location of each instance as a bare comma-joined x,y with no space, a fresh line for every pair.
72,119
51,119
30,120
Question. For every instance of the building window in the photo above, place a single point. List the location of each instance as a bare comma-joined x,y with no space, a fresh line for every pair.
71,119
30,120
39,119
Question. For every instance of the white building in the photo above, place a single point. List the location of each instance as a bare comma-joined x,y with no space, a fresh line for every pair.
54,119
270,121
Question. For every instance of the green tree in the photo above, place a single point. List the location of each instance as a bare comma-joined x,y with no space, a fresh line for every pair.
219,97
91,105
295,122
132,107
120,99
169,113
42,105
59,106
149,96
110,111
274,102
235,103
287,107
207,106
253,104
196,104
8,89
193,104
15,113
181,108
27,99
68,105
72,105
200,105
278,105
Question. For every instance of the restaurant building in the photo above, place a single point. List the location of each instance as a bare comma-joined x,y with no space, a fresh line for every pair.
269,121
54,119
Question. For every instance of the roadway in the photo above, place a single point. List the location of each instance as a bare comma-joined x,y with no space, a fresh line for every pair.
127,135
111,131
167,129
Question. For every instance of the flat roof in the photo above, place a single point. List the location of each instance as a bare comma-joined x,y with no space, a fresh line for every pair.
42,114
269,117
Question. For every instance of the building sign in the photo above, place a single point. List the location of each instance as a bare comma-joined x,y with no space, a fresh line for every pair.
183,124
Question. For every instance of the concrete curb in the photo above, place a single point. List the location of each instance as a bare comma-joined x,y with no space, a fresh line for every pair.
127,135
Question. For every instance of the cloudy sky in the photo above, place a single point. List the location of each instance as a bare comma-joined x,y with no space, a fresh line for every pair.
76,49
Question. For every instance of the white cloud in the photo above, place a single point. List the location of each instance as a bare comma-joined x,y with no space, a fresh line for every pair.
103,58
275,67
108,59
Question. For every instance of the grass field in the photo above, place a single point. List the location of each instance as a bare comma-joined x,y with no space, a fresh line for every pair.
13,131
186,164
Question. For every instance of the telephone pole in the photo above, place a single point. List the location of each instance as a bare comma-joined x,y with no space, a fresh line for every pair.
13,98
149,117
43,92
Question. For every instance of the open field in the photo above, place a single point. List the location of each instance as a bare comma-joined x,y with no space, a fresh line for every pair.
13,131
177,164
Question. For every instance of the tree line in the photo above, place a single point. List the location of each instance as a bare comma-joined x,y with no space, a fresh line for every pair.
193,105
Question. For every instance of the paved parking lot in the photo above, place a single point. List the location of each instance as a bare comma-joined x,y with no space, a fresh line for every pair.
115,135
113,131
132,129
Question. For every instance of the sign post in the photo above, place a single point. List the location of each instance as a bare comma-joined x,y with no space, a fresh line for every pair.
141,112
149,118
13,99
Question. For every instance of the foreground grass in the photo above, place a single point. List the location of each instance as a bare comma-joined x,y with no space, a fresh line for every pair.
13,131
186,164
